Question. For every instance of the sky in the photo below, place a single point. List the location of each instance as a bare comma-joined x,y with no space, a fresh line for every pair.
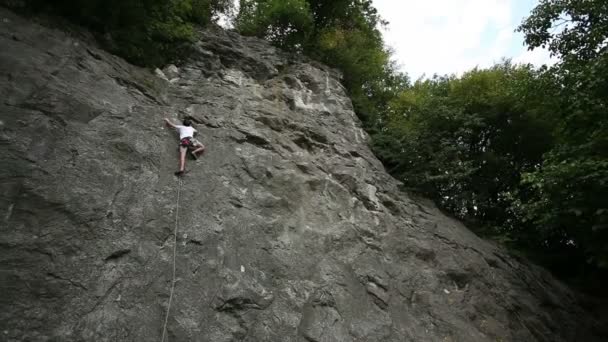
451,36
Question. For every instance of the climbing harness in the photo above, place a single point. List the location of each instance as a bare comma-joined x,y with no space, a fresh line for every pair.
187,142
179,188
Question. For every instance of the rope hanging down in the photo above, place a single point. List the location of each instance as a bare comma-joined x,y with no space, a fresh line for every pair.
179,188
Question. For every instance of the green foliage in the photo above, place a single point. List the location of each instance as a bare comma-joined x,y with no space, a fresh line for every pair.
518,153
145,32
569,203
465,141
569,28
342,34
286,23
566,197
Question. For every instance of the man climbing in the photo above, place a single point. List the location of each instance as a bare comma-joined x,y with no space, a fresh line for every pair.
186,143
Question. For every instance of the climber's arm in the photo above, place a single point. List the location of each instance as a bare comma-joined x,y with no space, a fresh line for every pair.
169,123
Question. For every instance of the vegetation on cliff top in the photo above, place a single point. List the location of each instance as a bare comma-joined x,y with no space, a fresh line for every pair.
144,32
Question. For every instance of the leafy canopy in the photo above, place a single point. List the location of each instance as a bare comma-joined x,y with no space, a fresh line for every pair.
145,32
568,193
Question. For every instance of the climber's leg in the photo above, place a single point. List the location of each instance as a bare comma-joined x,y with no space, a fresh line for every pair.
199,149
182,159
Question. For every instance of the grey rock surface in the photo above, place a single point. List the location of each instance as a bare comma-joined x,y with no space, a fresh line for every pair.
289,229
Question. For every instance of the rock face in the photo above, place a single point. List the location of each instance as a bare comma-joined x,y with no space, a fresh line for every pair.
289,229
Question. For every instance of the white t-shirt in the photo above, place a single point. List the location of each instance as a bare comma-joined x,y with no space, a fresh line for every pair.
185,131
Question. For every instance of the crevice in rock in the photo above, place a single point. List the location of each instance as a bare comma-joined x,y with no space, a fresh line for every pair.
94,54
118,255
426,255
304,143
237,304
70,281
492,262
503,259
257,140
253,139
195,242
102,298
461,279
379,295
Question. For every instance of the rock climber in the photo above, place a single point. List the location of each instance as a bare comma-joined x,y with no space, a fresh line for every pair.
186,143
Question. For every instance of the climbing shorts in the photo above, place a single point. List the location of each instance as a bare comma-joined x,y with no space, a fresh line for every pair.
190,143
187,142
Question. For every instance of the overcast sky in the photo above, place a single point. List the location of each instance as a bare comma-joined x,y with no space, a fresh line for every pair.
452,36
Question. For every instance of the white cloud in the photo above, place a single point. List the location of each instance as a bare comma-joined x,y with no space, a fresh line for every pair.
452,36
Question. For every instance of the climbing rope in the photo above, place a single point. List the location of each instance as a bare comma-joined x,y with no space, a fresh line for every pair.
179,188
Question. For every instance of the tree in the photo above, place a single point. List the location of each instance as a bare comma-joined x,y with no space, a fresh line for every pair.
570,29
567,198
465,141
285,23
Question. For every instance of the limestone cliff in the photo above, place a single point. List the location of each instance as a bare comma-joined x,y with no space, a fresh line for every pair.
289,227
